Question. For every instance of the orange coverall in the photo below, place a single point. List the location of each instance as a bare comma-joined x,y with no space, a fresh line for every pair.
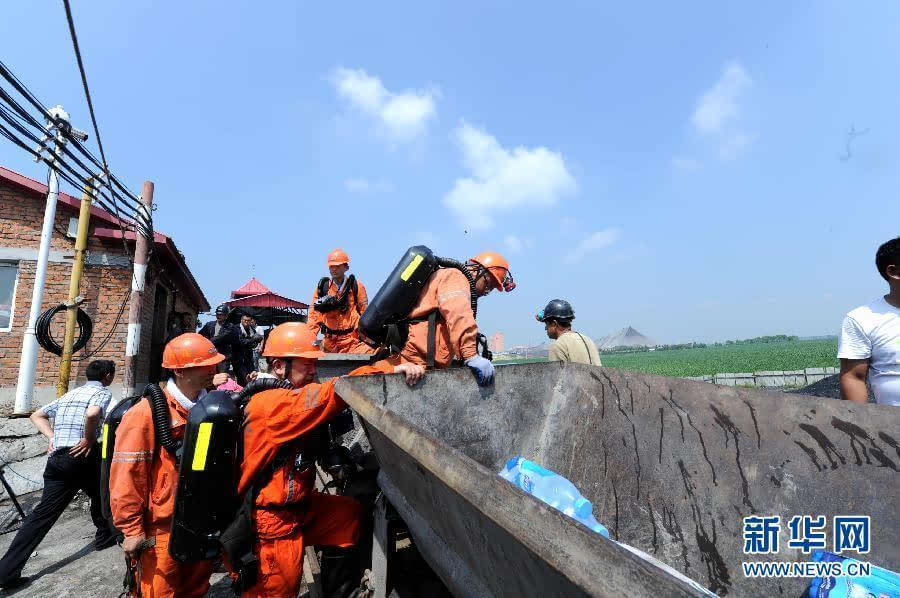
341,320
289,514
448,292
142,479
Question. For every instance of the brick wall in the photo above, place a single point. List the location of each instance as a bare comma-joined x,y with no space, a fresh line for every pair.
103,287
21,218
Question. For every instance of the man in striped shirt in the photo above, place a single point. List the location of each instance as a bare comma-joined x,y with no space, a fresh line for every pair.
72,424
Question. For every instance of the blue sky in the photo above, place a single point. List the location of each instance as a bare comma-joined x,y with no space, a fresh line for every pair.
671,166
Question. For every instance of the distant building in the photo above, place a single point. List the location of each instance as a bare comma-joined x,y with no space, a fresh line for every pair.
496,344
530,351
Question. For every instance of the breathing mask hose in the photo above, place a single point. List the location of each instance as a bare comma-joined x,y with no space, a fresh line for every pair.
162,423
446,262
259,385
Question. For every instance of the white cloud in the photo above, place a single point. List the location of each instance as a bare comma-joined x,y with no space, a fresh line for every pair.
719,105
364,186
732,145
402,117
718,113
513,243
516,244
594,242
504,179
684,163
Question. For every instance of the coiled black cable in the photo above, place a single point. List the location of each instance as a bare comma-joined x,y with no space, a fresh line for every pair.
46,340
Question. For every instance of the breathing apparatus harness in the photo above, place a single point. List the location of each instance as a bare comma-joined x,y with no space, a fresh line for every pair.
162,427
481,345
327,303
319,444
241,527
385,323
238,538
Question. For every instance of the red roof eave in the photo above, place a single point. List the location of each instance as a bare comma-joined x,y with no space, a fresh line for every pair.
251,287
99,215
41,189
269,299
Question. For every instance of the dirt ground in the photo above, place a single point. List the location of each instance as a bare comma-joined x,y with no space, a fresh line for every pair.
65,563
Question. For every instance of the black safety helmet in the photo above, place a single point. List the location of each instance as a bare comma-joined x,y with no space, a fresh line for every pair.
222,309
558,309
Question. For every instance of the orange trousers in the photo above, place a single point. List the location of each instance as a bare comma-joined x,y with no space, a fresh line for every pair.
163,577
345,343
330,521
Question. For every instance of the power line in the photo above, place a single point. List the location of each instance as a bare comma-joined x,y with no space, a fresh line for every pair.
18,117
140,211
23,90
103,200
126,208
87,91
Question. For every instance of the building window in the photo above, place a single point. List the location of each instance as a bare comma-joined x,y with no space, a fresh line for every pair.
9,272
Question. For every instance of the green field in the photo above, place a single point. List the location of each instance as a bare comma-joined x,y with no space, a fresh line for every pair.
755,357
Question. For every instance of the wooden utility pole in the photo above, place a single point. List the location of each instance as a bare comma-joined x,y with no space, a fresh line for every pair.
72,305
133,341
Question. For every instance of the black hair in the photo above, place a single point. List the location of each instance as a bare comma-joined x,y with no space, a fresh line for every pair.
887,255
99,369
560,322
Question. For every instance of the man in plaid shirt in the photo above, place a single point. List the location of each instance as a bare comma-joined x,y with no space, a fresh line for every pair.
72,423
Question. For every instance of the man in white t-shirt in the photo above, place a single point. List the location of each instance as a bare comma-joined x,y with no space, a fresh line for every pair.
870,338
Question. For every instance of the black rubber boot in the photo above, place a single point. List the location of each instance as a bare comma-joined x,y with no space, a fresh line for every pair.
341,573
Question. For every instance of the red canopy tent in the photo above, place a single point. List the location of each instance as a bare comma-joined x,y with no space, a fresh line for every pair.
268,308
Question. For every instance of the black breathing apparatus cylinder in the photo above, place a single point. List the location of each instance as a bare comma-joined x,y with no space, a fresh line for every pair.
206,498
398,295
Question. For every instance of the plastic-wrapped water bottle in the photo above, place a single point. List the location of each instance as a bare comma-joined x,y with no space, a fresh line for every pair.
878,582
553,489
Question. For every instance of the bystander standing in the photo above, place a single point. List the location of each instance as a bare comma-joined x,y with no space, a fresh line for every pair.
570,345
223,335
72,424
869,347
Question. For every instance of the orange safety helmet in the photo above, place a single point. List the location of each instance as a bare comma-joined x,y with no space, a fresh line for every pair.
497,266
292,339
190,350
338,257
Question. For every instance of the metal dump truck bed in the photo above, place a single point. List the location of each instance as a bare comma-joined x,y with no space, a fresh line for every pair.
672,467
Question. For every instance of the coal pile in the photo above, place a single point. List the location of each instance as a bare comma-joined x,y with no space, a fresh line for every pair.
829,387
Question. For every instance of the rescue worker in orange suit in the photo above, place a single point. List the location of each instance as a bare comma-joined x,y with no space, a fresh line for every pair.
335,313
143,476
288,513
448,293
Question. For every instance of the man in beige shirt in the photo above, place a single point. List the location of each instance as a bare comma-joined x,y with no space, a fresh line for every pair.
570,345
